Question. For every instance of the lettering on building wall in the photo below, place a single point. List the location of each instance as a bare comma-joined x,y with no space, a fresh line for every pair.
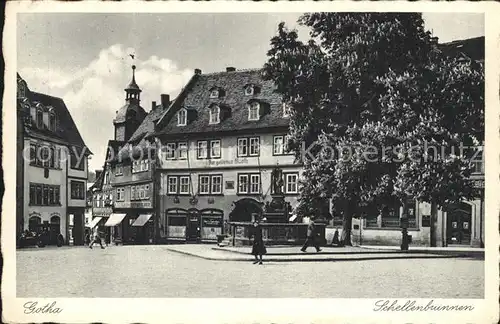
227,162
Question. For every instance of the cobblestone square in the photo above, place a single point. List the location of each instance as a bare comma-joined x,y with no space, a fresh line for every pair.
153,271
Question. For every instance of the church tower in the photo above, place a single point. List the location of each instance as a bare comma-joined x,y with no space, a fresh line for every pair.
131,115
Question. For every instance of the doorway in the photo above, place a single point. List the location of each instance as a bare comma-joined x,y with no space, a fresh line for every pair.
193,228
458,229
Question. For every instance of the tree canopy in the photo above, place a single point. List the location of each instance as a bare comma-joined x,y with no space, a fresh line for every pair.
372,98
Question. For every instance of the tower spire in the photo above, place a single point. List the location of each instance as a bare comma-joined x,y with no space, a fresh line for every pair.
133,91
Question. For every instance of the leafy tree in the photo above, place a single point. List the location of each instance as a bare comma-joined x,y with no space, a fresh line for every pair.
362,81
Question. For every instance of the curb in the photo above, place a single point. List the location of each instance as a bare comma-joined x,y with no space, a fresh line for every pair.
478,254
404,257
370,250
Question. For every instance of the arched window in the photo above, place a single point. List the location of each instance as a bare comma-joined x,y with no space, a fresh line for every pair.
39,118
182,117
214,115
52,121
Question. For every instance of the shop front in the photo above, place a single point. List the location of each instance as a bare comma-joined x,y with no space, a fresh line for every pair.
100,216
194,225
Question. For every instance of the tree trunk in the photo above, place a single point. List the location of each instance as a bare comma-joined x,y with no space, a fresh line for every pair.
433,224
345,239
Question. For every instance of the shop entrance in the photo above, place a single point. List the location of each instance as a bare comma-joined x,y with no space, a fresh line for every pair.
458,230
193,228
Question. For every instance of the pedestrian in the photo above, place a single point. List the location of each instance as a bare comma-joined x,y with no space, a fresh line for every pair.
97,239
335,240
258,247
311,237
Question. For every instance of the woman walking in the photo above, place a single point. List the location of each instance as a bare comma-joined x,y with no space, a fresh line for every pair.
258,248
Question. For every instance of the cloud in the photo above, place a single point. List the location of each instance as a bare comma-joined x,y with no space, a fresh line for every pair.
94,93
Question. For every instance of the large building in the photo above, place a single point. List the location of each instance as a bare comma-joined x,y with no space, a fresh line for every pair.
51,167
218,144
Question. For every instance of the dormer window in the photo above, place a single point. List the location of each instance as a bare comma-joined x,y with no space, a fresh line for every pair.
253,111
39,117
286,110
214,115
214,93
182,117
52,121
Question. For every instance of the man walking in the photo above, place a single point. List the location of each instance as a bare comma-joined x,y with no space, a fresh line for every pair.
311,237
97,239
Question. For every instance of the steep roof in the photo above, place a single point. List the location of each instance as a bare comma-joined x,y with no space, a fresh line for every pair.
196,98
131,107
66,128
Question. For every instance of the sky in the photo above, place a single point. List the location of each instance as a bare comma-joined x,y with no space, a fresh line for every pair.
84,59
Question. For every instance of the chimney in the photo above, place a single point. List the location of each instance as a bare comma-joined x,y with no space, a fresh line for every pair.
153,105
434,40
165,100
197,71
230,69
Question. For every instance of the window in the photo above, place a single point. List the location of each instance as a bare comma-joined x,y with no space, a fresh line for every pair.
202,150
249,90
33,151
172,185
215,149
249,183
253,111
140,166
119,170
120,194
39,118
278,148
255,183
44,156
204,185
280,145
216,184
106,177
170,153
184,185
214,93
286,110
182,148
254,146
57,195
44,195
210,184
291,183
182,117
390,216
76,162
214,115
52,122
248,146
176,151
77,190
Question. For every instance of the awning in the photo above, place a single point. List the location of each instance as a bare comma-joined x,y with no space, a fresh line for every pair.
115,219
94,222
142,219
